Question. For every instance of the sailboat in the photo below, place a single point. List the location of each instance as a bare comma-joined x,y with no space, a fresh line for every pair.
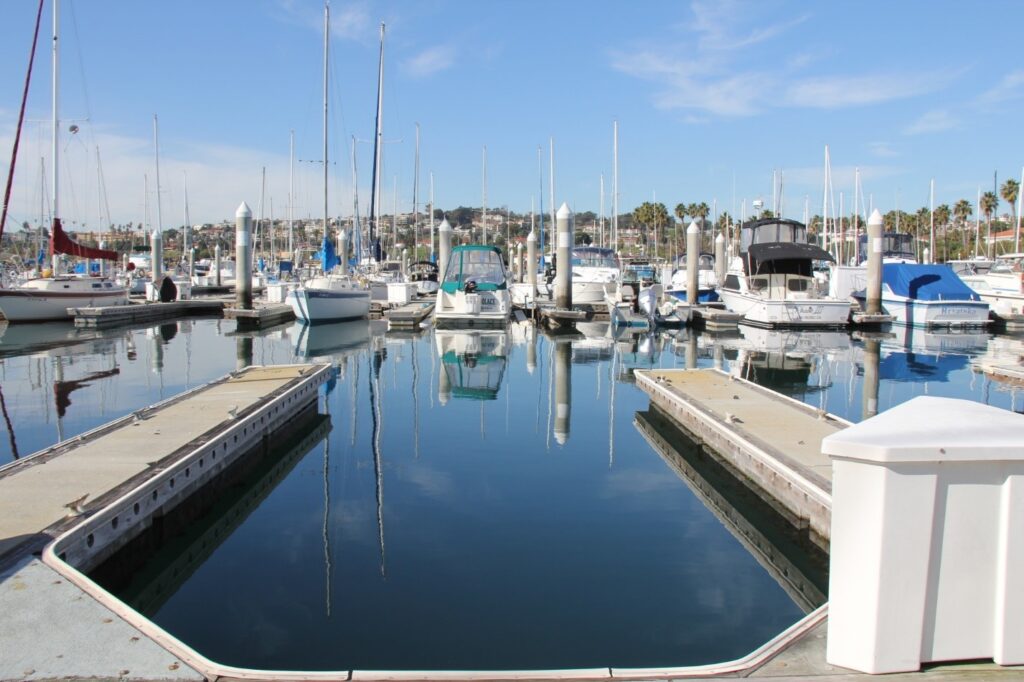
48,298
329,297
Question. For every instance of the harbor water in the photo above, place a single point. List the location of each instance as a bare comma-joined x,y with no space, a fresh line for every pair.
475,500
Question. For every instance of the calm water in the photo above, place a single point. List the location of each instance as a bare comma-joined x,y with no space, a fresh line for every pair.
470,500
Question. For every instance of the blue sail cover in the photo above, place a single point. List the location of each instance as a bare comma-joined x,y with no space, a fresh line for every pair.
926,282
327,256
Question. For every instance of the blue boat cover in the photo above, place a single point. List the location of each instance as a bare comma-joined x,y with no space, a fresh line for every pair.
926,282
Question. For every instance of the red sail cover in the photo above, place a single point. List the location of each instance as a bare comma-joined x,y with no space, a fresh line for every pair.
60,242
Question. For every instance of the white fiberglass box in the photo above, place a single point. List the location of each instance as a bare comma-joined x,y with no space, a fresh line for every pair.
927,554
401,292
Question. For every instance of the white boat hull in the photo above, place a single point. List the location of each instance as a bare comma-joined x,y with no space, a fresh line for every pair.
312,305
918,313
20,305
807,312
489,309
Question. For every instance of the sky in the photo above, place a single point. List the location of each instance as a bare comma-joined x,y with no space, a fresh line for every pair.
711,98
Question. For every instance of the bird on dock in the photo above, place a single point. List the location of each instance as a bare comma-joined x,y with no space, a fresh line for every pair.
77,507
732,419
138,417
233,411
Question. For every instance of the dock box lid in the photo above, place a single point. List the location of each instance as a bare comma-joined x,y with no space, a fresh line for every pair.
929,429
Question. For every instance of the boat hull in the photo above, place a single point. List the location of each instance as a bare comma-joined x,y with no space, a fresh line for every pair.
918,313
42,306
490,309
313,306
765,312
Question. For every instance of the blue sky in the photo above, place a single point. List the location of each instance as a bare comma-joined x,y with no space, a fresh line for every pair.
710,98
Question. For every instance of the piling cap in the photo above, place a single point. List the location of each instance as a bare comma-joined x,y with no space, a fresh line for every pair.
243,211
445,226
564,211
929,429
720,239
519,246
532,237
876,218
692,228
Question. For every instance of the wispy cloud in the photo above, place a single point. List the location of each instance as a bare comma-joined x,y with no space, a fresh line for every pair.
351,21
932,122
431,61
834,92
882,150
722,77
1011,87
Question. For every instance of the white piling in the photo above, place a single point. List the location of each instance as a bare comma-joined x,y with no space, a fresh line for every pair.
721,264
927,255
243,257
520,271
216,263
444,239
531,263
405,263
156,252
563,267
692,252
874,288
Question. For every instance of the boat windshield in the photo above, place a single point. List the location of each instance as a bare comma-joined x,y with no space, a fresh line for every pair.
770,231
594,258
479,265
894,245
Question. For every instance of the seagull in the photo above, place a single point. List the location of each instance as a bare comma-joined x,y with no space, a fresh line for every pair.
732,419
77,507
233,411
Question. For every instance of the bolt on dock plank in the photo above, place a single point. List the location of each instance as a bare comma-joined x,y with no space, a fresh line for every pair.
117,315
772,440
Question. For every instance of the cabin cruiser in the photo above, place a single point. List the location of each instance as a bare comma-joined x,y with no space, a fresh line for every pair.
592,269
474,289
424,275
771,282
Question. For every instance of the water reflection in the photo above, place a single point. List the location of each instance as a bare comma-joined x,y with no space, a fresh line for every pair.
472,363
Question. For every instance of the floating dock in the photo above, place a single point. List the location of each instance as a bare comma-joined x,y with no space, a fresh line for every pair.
261,315
714,318
44,493
118,315
409,315
770,440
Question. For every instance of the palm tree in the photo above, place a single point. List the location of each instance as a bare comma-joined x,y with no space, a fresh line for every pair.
1010,191
682,210
962,210
942,214
989,201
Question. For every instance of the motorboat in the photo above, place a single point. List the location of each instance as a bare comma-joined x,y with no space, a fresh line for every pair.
424,274
707,279
771,282
592,269
929,296
1001,284
472,363
474,289
845,280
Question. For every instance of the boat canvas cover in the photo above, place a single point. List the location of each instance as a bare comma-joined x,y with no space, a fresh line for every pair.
926,282
787,251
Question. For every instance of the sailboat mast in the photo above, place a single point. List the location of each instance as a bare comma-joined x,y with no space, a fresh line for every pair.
291,193
55,132
156,154
357,229
540,179
327,31
551,180
416,197
378,145
485,195
615,186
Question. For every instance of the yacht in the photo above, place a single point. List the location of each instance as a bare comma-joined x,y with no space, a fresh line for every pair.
771,282
474,289
707,280
592,269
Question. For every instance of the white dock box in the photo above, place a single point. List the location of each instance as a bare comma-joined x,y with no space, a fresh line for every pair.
927,556
277,292
401,293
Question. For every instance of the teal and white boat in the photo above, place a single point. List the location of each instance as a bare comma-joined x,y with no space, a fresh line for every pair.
474,289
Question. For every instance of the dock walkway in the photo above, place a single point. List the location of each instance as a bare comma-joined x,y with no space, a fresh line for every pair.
40,491
771,440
